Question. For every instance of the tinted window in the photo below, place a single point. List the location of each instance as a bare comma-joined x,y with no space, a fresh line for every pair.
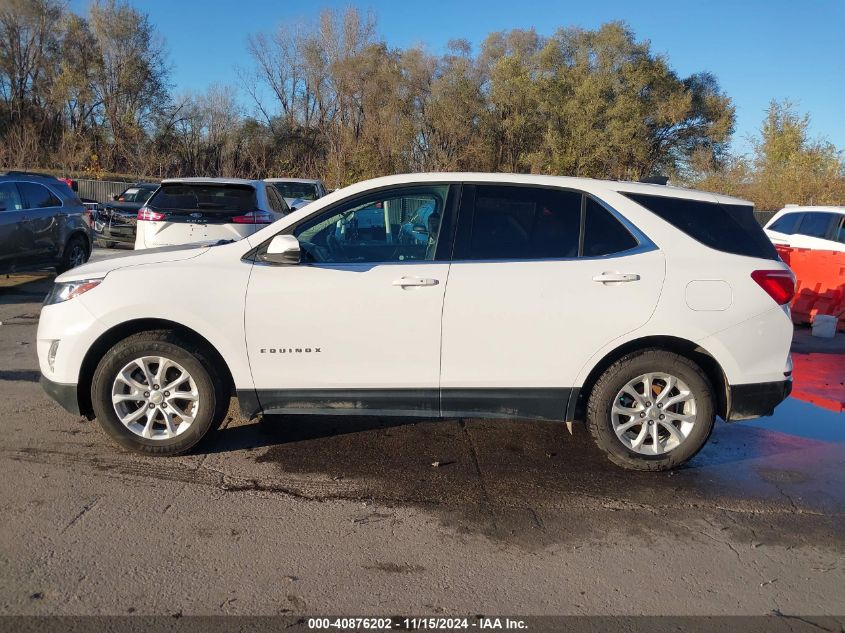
725,227
376,228
38,196
787,224
512,222
603,233
839,235
815,224
277,203
10,199
303,190
204,197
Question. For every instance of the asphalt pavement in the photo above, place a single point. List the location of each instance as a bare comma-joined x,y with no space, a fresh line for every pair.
367,516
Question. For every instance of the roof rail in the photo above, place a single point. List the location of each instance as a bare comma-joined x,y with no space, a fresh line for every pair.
18,172
655,180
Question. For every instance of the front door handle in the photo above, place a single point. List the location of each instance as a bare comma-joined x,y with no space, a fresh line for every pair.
607,278
415,281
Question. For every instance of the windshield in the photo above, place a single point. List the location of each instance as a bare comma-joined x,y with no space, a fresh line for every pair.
303,190
135,194
205,197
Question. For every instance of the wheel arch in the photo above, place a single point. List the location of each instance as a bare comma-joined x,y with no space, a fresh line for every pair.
117,333
677,345
79,232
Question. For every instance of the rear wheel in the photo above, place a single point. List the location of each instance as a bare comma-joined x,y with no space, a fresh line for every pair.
157,393
75,254
651,410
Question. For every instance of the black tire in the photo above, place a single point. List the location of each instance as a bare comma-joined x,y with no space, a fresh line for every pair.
76,249
630,367
213,399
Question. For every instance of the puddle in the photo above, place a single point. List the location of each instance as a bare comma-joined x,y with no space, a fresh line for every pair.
804,419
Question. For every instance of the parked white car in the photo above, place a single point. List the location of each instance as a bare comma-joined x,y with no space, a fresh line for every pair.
643,309
187,210
298,192
820,228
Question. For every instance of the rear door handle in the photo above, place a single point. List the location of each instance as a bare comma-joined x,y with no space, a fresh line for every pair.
415,281
606,278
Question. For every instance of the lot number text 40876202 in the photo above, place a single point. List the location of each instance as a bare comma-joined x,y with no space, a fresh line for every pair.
414,624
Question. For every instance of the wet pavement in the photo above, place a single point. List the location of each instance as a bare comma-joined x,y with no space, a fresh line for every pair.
420,516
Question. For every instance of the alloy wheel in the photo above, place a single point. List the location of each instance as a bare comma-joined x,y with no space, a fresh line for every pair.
654,413
155,398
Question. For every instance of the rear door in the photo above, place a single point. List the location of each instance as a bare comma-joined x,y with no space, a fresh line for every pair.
541,279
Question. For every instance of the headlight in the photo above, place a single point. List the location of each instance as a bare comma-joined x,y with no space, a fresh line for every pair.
69,290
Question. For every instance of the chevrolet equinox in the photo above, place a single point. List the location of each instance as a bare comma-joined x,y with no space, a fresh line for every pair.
643,310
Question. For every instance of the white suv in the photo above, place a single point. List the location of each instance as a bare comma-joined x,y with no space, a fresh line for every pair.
820,228
643,309
187,210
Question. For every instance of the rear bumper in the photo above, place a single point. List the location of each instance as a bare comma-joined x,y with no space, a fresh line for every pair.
757,399
64,394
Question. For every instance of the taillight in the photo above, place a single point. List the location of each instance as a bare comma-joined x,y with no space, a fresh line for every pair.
253,217
779,284
148,214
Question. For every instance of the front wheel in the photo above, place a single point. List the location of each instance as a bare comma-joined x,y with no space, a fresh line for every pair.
157,393
651,410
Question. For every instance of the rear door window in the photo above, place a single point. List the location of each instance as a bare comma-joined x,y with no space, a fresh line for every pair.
730,228
816,224
787,224
512,222
38,196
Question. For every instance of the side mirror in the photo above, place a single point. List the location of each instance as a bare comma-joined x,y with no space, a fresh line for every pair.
283,249
115,197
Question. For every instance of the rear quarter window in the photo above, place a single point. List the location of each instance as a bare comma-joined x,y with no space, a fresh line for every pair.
730,228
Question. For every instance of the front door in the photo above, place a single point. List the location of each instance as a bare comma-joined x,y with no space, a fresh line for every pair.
541,280
355,327
12,229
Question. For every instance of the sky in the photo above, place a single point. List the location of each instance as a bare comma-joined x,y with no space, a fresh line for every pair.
758,50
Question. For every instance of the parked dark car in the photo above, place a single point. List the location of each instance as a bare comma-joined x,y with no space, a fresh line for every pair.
42,224
115,221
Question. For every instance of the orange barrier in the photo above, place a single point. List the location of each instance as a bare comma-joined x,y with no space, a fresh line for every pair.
818,379
820,288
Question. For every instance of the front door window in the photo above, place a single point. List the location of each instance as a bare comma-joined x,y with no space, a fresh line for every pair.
396,226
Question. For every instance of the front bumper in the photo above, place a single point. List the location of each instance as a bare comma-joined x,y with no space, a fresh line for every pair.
65,395
757,399
125,234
